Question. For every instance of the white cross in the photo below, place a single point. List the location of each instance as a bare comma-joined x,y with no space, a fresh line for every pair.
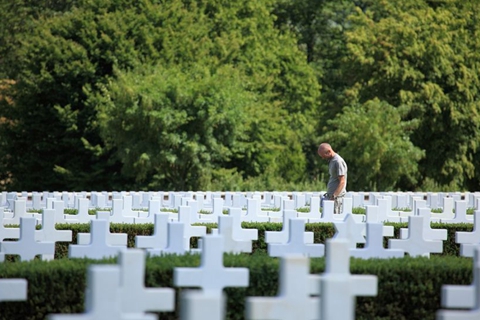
98,247
113,239
134,296
374,246
468,240
230,244
338,287
26,247
296,243
185,216
294,301
175,239
211,276
159,239
82,215
7,233
468,297
428,232
282,236
103,297
48,232
416,245
238,232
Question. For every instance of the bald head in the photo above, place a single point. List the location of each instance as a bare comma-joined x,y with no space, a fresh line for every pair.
325,151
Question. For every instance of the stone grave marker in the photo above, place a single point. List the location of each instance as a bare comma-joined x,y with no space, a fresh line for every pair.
135,297
299,200
238,233
36,201
295,243
185,216
254,212
283,236
26,246
226,228
469,240
19,211
238,200
447,209
103,299
113,239
159,238
463,297
98,247
217,211
339,288
212,277
99,200
48,232
11,197
460,213
148,216
347,206
82,215
294,300
314,212
385,212
175,241
433,200
428,232
7,233
198,305
136,200
374,245
117,213
416,245
3,199
351,230
267,199
472,198
372,216
13,289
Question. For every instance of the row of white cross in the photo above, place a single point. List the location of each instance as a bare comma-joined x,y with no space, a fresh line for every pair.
138,199
118,291
174,237
139,207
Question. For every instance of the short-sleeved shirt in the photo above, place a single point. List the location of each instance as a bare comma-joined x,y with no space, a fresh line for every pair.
336,167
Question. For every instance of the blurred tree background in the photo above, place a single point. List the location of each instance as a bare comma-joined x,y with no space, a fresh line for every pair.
237,95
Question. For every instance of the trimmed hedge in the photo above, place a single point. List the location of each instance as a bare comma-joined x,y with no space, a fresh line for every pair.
408,288
322,231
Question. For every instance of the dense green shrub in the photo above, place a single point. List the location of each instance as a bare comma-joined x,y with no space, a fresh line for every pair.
408,288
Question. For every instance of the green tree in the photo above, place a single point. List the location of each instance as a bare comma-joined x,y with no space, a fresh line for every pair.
65,63
374,141
424,55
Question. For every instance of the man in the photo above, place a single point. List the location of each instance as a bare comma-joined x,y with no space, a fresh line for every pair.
337,184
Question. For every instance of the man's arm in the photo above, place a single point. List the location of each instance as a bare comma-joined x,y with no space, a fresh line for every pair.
341,184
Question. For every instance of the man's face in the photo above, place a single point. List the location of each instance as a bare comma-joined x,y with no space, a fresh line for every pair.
325,153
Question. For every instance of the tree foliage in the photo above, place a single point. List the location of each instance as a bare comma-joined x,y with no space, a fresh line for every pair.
421,56
425,57
374,141
196,94
65,72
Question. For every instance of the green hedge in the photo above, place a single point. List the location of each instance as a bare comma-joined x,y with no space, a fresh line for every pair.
322,231
408,288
